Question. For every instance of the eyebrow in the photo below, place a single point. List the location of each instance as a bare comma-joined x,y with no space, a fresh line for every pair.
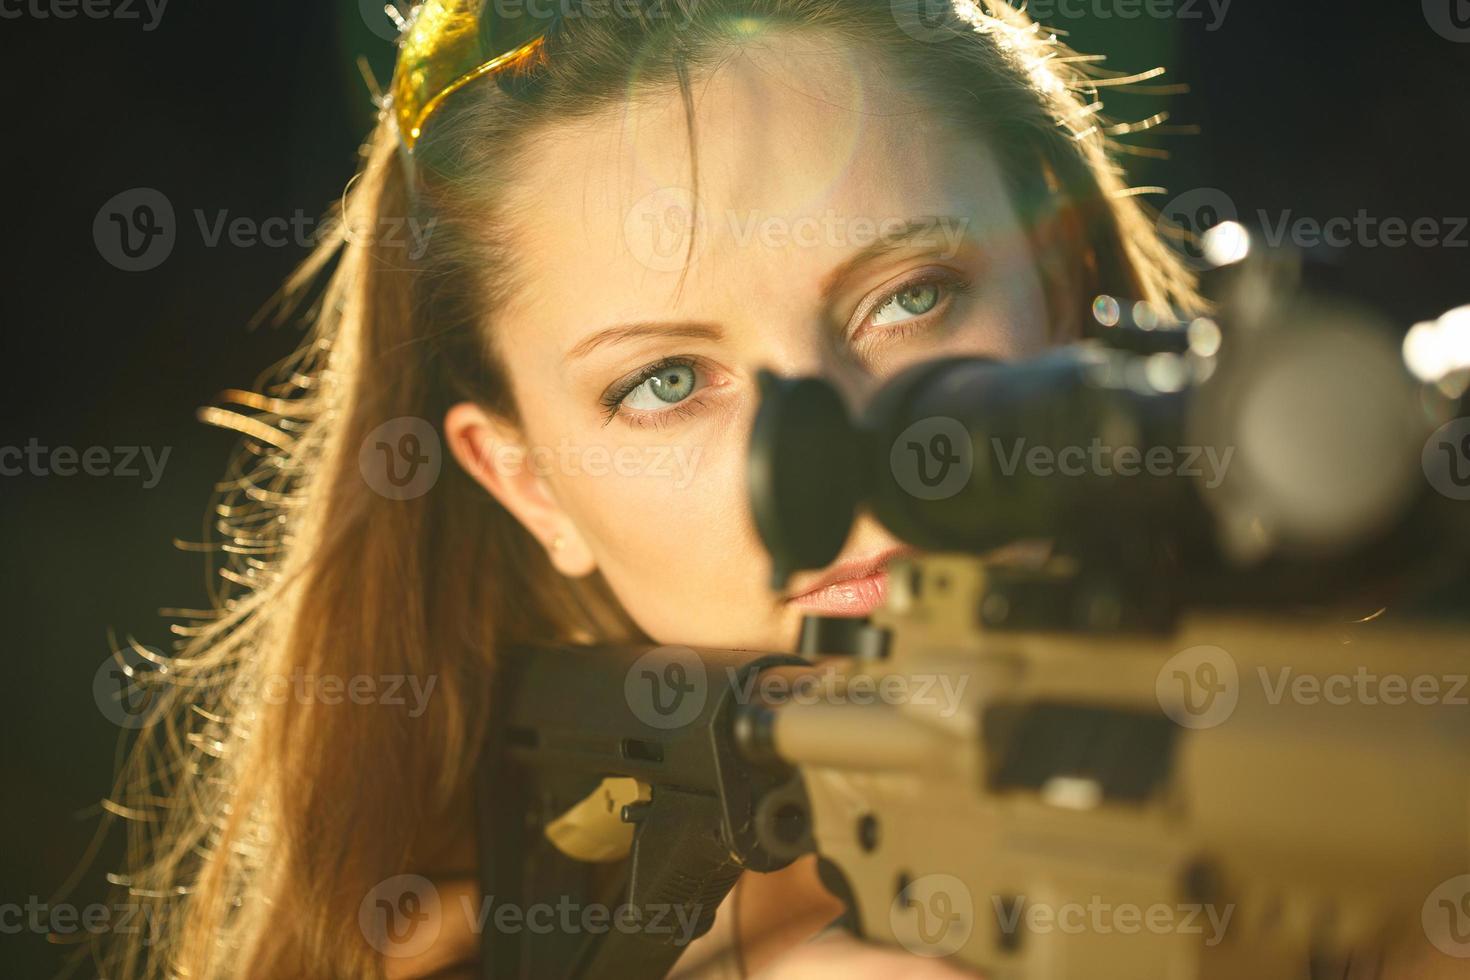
651,328
906,234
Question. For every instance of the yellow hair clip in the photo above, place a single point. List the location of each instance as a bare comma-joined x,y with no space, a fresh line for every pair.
446,44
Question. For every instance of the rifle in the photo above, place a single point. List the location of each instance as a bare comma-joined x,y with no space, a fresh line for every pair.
1164,751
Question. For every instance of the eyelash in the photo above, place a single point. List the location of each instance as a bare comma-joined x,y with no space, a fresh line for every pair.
953,286
612,399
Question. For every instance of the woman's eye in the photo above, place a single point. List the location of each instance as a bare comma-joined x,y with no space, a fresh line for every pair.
915,304
658,393
666,386
910,301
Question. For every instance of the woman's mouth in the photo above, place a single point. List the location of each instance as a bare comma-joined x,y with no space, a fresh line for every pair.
853,588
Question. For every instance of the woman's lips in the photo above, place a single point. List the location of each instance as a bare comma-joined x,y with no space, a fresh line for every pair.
858,586
854,588
849,597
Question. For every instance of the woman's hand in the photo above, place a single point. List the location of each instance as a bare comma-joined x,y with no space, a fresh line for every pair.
838,954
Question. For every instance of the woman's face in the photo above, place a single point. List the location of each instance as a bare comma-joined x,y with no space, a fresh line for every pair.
840,229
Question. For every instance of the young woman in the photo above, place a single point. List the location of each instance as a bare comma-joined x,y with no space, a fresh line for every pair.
617,220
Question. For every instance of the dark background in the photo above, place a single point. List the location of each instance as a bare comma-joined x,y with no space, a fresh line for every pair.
1316,106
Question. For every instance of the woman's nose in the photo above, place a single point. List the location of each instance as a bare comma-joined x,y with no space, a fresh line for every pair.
852,380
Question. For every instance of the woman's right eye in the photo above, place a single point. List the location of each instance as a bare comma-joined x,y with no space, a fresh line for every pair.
656,393
664,386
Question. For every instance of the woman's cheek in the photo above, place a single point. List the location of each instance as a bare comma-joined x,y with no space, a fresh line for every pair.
673,541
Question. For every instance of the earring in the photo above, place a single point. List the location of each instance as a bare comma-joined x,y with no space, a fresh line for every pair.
557,542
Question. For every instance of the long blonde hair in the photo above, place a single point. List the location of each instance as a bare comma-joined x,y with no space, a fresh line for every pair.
258,825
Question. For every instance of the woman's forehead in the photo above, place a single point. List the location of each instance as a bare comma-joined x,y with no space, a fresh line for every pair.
787,124
802,160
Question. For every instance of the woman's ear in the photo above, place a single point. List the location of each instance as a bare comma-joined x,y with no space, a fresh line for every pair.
494,452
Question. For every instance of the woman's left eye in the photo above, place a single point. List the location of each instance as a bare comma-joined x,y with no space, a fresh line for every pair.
665,386
657,392
908,302
914,300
